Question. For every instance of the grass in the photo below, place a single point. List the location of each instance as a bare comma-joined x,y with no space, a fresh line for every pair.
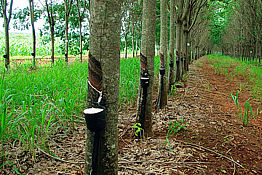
250,71
21,45
245,114
34,104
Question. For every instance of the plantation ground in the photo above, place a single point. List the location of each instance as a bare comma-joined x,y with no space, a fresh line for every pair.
214,140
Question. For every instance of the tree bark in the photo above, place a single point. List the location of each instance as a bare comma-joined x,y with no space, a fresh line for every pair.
51,21
136,47
133,40
80,40
147,50
66,39
162,96
171,44
80,19
31,5
178,50
7,19
68,5
106,22
7,51
52,44
187,51
126,46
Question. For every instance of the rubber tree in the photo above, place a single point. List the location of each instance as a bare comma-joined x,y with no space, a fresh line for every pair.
32,16
6,14
51,21
181,12
82,7
68,5
148,53
104,63
190,21
171,44
162,96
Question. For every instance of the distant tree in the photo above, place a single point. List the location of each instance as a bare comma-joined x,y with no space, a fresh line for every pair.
190,21
73,27
32,12
24,18
126,21
49,7
82,7
68,5
131,25
7,17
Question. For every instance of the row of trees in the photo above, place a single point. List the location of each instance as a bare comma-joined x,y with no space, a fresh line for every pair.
105,51
69,20
61,18
243,23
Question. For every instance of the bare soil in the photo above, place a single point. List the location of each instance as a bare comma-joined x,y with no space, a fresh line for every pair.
214,141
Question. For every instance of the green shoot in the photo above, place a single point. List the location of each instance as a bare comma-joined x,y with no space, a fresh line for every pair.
138,129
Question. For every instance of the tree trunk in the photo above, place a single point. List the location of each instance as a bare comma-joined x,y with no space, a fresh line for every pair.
148,52
52,44
66,32
187,51
133,41
171,44
162,95
31,5
104,73
7,19
136,47
81,42
178,50
7,52
126,46
260,52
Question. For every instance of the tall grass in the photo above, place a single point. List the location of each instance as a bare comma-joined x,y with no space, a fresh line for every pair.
23,47
34,104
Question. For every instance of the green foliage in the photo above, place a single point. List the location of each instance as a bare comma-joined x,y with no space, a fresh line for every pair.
174,127
21,17
138,129
218,18
74,33
247,113
173,90
235,98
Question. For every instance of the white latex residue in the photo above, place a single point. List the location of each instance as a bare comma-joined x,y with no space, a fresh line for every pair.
93,110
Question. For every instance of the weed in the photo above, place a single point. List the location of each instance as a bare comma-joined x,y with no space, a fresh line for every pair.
245,115
235,99
138,130
173,90
174,127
